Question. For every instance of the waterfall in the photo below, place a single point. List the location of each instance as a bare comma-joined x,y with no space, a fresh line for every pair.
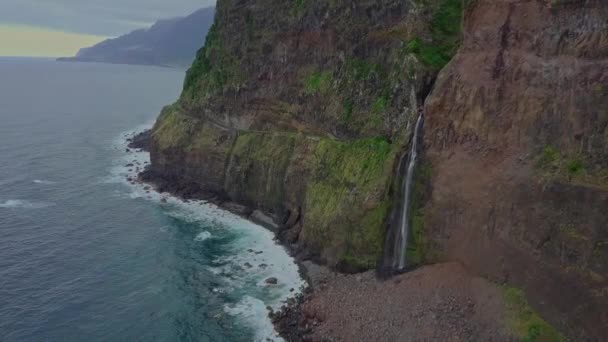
395,259
399,261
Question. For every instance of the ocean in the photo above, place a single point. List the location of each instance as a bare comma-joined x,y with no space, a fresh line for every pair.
87,256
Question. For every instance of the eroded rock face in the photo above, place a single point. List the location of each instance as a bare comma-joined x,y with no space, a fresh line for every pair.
301,109
517,140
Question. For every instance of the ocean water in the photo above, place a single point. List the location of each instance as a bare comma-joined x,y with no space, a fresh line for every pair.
87,256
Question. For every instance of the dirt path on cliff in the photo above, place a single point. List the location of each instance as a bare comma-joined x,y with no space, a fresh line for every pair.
435,303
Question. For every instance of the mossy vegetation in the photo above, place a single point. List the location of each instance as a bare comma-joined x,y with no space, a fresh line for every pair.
346,182
446,31
549,158
574,168
526,323
347,112
173,129
259,163
381,103
298,7
264,146
213,70
365,112
318,82
361,70
346,202
419,248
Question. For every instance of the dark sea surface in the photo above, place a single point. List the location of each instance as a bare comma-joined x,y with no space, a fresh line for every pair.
86,256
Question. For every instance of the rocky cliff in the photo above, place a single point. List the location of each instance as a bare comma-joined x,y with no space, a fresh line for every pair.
516,140
303,110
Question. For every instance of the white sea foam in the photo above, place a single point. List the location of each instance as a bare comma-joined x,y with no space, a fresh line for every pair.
253,312
42,181
202,236
254,254
22,204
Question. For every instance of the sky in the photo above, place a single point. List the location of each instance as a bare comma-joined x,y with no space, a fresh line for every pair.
57,28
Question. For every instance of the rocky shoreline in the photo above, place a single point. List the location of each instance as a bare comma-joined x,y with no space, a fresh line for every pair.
335,306
441,302
282,319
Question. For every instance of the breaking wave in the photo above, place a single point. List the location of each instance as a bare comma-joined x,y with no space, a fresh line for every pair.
250,258
23,204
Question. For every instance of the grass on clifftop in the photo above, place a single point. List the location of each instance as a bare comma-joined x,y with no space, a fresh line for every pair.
526,323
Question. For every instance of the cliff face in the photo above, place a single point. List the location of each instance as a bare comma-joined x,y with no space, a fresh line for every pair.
302,109
516,138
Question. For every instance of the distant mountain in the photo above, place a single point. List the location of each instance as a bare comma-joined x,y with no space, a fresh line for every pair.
169,42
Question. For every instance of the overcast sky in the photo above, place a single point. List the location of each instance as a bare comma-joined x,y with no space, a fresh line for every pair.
96,17
64,25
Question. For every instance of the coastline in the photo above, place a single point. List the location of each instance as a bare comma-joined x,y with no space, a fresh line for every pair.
347,307
136,141
287,320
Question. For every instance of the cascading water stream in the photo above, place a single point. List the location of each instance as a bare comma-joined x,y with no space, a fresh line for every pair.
402,224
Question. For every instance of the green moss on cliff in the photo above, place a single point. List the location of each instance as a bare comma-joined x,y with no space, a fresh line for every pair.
365,87
213,70
264,147
526,323
347,112
345,186
346,200
371,235
380,103
258,166
419,249
172,129
446,30
318,82
360,70
575,168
